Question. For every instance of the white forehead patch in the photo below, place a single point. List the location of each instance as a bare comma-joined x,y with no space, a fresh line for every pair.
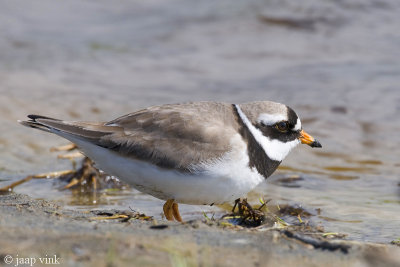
271,119
275,149
297,127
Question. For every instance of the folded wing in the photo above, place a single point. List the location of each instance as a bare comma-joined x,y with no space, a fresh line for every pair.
170,136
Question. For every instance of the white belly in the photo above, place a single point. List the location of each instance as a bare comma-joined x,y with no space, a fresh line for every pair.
216,182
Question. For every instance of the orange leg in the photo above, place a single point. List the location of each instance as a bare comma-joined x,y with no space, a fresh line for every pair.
168,209
175,212
171,210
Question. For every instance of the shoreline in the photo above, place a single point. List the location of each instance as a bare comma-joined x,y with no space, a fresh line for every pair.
41,229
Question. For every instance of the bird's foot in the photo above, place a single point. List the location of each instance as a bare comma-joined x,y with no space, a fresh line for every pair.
246,212
171,211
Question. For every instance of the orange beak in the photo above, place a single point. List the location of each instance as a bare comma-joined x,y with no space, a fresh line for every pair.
307,139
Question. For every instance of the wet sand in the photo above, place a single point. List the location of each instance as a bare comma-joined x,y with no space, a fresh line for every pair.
41,229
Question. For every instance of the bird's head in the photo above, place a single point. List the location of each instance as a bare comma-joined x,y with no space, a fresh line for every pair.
276,127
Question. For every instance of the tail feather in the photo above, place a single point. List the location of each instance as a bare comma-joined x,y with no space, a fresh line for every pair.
35,125
91,132
35,117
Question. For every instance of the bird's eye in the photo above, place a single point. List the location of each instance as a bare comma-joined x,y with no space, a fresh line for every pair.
282,126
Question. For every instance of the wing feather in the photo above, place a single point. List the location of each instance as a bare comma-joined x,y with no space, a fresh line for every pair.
175,136
169,136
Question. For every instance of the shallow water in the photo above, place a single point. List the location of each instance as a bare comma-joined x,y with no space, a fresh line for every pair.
337,64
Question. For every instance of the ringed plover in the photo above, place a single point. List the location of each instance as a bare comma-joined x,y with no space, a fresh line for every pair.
193,153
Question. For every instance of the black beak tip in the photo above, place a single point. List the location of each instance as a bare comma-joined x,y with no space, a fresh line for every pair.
315,144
